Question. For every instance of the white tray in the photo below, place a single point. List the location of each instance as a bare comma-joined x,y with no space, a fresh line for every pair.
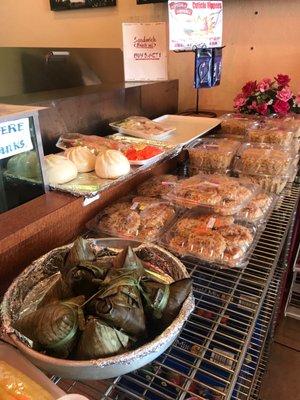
15,359
187,128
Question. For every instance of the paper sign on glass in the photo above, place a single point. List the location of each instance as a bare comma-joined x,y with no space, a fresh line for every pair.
145,51
14,137
195,23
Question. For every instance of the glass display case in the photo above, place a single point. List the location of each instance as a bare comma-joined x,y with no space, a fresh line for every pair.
21,156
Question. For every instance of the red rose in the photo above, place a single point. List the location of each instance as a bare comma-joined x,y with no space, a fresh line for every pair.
239,101
281,107
282,80
249,88
262,108
284,94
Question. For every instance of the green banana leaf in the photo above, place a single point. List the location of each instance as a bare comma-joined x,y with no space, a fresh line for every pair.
100,340
54,326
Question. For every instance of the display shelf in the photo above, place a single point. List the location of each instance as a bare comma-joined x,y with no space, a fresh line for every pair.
220,351
293,303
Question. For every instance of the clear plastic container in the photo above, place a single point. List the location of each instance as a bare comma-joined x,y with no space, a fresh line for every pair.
236,124
269,183
212,155
262,133
263,159
258,209
220,194
211,238
142,218
157,186
289,122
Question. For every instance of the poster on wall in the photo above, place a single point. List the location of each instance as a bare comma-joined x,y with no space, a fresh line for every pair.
145,51
61,5
195,23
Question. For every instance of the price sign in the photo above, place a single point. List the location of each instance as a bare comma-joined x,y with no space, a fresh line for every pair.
195,23
14,137
145,51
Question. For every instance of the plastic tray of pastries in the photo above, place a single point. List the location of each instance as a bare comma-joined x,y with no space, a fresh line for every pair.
236,124
262,133
139,217
212,155
289,122
157,186
263,159
258,209
220,194
211,238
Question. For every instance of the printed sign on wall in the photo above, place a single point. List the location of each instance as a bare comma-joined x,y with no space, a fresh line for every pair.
14,137
195,23
145,51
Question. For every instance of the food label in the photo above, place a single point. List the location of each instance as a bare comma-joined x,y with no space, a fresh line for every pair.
195,23
14,137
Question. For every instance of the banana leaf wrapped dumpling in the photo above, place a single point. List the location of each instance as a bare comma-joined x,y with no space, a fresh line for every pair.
81,271
100,340
54,327
163,302
119,304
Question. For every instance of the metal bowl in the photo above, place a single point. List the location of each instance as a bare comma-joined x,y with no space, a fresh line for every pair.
102,368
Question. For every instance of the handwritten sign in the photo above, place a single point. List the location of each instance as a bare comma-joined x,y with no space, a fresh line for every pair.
14,137
195,23
145,51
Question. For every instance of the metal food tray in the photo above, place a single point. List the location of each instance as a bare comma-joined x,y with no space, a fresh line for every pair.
234,309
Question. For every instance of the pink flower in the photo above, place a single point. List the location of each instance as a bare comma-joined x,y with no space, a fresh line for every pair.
262,108
239,100
249,88
285,94
281,107
264,85
282,80
253,106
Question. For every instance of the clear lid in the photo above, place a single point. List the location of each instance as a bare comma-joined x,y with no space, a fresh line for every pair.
157,186
93,142
212,238
236,124
263,133
217,193
257,210
263,159
290,122
142,218
271,184
212,155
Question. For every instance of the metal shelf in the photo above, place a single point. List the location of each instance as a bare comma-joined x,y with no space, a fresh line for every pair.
220,351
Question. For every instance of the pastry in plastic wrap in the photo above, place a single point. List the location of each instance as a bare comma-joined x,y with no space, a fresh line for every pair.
263,159
260,133
157,185
256,209
235,124
210,237
212,155
217,193
24,165
138,217
269,183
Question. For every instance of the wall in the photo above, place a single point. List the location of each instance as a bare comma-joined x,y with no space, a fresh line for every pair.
257,45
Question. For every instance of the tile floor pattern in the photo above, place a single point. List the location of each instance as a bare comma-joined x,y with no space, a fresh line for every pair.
282,380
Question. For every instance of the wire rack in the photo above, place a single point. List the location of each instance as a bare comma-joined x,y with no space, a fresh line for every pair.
222,348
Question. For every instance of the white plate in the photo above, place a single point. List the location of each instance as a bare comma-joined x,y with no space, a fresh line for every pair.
187,128
167,131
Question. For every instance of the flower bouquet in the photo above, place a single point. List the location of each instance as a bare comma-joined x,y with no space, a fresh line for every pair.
267,97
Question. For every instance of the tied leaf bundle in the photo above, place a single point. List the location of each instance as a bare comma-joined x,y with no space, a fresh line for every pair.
119,304
163,302
54,326
100,340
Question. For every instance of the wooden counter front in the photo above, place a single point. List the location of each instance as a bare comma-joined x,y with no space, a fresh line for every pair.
54,219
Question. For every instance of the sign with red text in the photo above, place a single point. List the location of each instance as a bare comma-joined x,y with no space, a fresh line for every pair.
145,51
195,23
